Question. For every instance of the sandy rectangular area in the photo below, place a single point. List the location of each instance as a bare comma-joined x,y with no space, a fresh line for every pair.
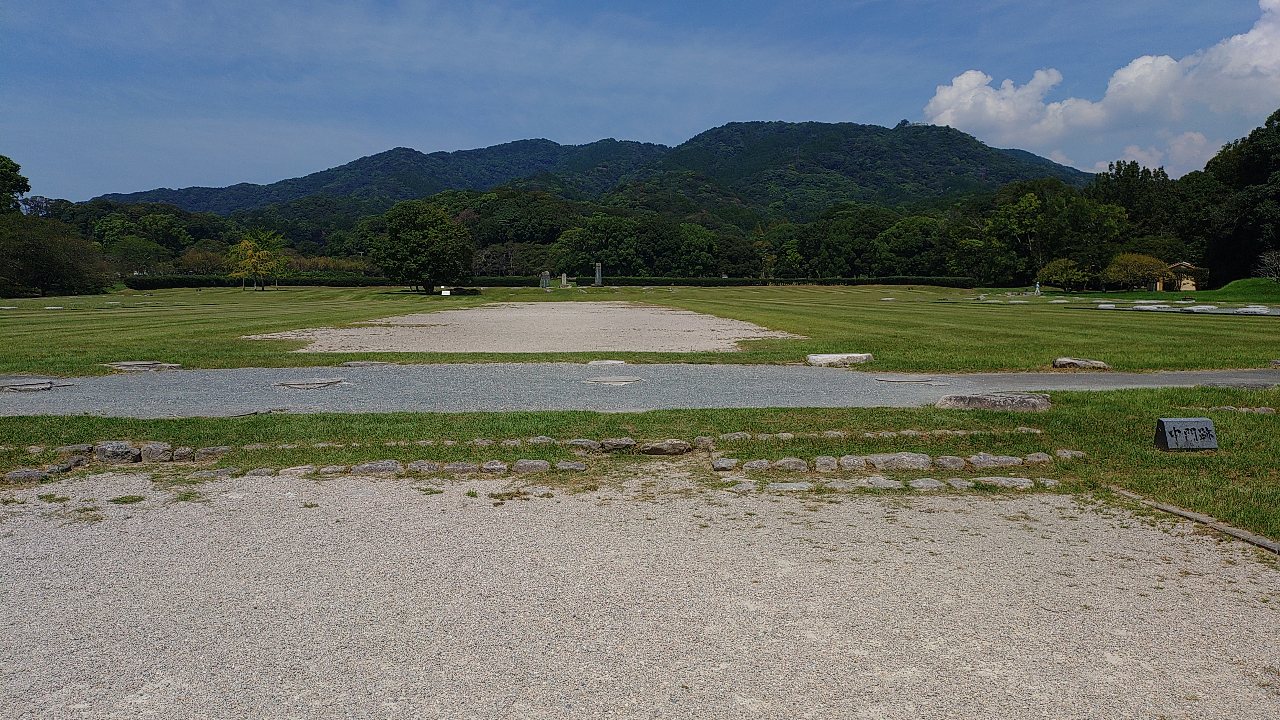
538,327
653,597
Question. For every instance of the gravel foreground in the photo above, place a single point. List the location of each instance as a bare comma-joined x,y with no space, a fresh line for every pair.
655,596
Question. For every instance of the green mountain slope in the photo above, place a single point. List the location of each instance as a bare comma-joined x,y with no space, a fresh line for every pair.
378,181
790,170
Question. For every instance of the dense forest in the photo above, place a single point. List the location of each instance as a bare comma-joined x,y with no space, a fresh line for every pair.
748,200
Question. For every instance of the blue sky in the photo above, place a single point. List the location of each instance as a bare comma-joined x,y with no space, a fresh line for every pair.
109,96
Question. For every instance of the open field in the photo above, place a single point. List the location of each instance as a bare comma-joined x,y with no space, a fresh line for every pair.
1239,484
913,332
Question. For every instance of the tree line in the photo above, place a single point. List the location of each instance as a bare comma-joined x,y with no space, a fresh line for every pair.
1120,230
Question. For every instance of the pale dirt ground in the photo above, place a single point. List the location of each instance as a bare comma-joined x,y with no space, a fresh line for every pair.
538,327
655,596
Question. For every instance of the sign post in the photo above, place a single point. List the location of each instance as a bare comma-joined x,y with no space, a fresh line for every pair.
1180,434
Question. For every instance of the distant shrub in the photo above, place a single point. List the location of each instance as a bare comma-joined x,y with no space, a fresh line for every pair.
323,279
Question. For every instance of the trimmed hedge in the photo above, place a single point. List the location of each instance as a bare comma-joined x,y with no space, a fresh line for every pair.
157,282
323,279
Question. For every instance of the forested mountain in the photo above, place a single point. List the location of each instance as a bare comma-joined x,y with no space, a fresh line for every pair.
798,170
378,181
786,170
768,201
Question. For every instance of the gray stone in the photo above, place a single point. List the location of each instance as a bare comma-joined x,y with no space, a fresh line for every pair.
925,484
571,465
900,461
616,444
482,442
789,486
987,460
669,446
949,462
790,464
461,467
530,466
839,359
25,475
512,442
157,452
584,444
69,464
959,483
1016,483
1069,454
834,433
752,465
542,440
421,443
735,436
1014,402
332,469
704,442
252,446
883,483
724,464
116,451
764,436
853,462
424,466
785,436
378,467
364,363
80,449
1047,482
1038,458
298,470
261,472
212,453
1028,430
35,449
494,466
1080,363
184,454
826,463
142,365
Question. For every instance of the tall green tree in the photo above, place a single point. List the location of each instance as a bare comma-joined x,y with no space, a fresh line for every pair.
421,246
12,186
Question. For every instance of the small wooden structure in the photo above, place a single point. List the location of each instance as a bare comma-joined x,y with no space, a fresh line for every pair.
1183,277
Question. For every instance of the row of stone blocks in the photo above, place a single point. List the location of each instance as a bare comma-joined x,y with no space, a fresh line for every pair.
387,468
893,461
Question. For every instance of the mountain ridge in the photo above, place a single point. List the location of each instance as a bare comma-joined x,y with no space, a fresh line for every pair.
788,169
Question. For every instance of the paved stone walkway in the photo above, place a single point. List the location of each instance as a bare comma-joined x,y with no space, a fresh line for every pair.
547,386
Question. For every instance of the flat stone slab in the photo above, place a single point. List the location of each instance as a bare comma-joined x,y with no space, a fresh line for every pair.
1015,402
310,383
142,365
839,359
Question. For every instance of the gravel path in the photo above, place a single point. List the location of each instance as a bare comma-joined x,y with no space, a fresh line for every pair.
549,386
538,327
383,602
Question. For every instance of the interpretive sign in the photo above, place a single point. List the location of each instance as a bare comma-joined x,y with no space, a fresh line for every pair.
1186,434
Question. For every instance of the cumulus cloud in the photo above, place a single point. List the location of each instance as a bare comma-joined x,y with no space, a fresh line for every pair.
1238,77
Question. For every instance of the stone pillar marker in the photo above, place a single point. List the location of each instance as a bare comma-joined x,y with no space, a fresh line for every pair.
599,276
564,280
544,281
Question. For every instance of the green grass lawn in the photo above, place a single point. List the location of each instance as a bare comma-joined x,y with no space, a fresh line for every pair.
922,329
1240,483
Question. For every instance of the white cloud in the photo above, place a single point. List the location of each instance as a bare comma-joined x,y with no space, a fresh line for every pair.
1235,79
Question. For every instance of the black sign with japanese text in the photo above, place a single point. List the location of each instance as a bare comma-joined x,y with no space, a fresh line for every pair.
1186,434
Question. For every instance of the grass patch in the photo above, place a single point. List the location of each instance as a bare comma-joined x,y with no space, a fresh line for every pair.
923,329
126,499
